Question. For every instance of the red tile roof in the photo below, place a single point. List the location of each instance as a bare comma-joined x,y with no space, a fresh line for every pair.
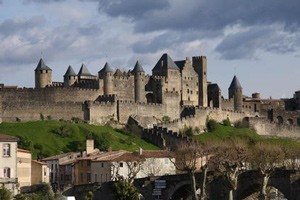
8,138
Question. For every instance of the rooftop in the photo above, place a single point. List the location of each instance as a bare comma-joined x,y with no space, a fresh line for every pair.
8,138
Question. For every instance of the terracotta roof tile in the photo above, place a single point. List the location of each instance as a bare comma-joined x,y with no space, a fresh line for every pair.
8,138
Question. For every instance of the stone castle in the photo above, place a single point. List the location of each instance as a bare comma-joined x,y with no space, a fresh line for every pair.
176,89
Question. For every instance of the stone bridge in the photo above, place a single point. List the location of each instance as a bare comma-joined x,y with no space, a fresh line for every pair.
177,187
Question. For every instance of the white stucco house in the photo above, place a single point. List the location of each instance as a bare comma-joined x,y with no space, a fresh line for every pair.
110,166
8,162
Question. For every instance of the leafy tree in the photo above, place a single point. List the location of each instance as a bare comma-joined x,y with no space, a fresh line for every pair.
76,145
5,194
24,143
124,190
100,141
42,191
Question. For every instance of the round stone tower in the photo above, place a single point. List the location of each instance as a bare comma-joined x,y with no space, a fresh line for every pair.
43,75
106,73
236,93
69,77
139,83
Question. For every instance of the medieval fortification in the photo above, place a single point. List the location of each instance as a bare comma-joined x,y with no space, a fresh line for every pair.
176,90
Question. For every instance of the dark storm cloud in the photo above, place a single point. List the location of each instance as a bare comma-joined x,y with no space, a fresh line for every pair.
210,18
216,15
13,26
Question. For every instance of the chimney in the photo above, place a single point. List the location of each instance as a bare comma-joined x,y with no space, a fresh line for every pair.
89,146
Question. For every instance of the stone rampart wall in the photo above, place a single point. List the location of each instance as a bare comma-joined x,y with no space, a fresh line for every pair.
127,108
265,127
102,112
199,119
30,111
51,94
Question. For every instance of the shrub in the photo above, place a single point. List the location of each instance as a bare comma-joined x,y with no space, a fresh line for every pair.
188,131
165,118
226,122
76,120
42,116
197,130
5,194
63,130
211,125
18,119
49,117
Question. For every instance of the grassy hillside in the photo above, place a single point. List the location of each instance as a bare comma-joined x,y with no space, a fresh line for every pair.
53,137
228,132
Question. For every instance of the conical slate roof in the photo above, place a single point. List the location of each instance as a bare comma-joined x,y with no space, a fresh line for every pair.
42,66
235,84
84,71
70,71
118,73
165,62
138,68
106,69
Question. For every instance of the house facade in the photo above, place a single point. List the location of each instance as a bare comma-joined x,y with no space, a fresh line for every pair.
8,162
39,172
24,169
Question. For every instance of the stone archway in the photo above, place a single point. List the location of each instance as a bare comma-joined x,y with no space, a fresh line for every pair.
279,119
150,98
180,190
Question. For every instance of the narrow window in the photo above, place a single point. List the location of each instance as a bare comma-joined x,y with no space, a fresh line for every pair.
6,172
6,150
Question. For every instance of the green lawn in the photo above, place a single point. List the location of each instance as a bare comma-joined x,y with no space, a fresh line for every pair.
45,134
224,132
228,132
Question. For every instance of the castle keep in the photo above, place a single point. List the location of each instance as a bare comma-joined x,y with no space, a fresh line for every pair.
177,89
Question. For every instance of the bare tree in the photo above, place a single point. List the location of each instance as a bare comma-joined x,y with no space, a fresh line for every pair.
266,158
192,157
131,163
229,159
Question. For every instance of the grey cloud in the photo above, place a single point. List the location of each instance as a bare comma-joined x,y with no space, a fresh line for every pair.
13,26
131,8
41,1
167,40
245,44
203,15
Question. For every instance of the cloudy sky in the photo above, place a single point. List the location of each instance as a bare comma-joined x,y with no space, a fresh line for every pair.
257,40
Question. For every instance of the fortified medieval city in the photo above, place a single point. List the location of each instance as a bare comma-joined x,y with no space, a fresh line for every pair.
176,89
